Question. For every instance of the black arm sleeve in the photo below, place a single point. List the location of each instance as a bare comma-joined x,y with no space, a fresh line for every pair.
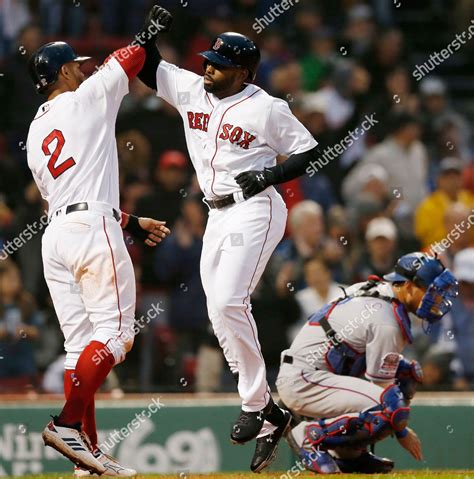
294,166
148,73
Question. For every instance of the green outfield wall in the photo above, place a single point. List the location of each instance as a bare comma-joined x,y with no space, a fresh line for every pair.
160,435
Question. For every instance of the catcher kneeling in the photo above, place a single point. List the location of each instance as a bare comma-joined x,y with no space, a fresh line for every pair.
361,333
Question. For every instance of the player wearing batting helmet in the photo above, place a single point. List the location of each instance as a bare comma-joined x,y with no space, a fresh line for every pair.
345,367
234,133
72,154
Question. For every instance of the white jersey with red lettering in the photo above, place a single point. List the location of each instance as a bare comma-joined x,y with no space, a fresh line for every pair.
72,154
71,145
225,137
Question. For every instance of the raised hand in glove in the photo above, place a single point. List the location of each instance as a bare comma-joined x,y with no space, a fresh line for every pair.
158,20
254,181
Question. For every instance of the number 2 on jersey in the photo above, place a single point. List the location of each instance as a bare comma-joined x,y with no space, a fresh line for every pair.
54,169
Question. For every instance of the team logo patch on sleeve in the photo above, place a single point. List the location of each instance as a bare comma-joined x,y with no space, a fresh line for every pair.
389,365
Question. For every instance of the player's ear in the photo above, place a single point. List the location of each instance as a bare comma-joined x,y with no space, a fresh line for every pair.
244,74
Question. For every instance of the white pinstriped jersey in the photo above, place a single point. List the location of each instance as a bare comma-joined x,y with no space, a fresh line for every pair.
71,146
226,137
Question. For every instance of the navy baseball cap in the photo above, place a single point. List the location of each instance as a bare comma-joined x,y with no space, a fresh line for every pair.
419,268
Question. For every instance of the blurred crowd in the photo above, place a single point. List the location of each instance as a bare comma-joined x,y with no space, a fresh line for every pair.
396,174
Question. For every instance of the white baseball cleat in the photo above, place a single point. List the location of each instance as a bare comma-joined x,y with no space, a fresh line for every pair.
112,467
73,444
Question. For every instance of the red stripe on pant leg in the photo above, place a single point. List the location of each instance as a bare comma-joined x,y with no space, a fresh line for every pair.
251,280
115,273
339,388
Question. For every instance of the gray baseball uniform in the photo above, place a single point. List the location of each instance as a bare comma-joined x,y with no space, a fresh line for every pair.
314,384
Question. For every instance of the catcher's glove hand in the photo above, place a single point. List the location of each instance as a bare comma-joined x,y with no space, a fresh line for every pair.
254,181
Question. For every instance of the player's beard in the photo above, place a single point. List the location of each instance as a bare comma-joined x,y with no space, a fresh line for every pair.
216,87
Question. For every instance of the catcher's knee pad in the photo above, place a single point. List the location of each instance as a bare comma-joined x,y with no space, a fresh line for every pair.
368,427
395,407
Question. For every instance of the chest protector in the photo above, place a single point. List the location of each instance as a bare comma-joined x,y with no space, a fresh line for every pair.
341,357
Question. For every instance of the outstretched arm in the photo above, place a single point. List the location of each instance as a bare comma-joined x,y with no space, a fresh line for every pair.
160,20
141,57
150,231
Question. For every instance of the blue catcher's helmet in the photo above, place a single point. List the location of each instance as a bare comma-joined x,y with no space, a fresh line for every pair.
427,272
231,49
45,63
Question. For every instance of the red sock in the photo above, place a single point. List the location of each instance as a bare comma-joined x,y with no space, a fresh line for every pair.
88,420
88,423
92,368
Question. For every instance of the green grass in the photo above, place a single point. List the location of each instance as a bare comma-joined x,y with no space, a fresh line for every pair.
427,474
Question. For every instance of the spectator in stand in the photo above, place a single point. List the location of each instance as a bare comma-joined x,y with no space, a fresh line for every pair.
429,222
381,251
286,81
360,30
404,158
53,13
462,319
321,287
307,20
274,54
371,180
311,108
177,265
307,236
32,211
438,114
19,322
14,15
317,62
460,233
386,55
18,97
169,177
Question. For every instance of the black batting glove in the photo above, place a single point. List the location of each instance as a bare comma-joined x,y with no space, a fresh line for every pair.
255,181
158,20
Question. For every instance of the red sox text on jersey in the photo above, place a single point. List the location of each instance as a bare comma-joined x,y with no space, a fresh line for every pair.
233,133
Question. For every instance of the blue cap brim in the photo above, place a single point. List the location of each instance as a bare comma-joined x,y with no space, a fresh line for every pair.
394,277
216,58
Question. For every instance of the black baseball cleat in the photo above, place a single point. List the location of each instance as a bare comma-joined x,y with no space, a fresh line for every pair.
366,463
248,424
266,448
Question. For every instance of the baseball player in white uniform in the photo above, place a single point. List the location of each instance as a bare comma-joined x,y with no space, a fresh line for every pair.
234,132
72,154
345,372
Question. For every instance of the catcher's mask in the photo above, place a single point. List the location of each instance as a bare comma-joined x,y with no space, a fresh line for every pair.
427,272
